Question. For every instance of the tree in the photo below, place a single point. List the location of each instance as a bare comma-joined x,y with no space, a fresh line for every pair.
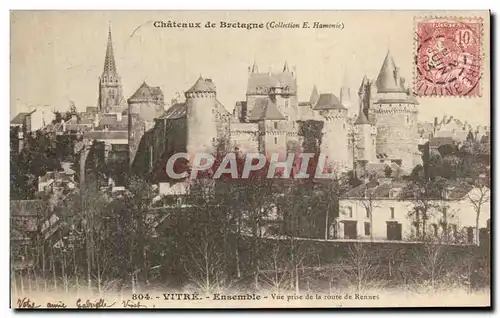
360,266
368,202
478,197
423,195
388,171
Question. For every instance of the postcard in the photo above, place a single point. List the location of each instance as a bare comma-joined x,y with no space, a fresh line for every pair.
250,159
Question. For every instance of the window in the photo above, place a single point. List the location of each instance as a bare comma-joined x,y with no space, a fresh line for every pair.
350,230
394,231
367,228
367,212
275,125
286,102
435,229
470,235
392,212
349,211
275,140
453,230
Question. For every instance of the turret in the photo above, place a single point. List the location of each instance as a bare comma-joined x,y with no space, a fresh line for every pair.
144,106
395,114
201,123
334,143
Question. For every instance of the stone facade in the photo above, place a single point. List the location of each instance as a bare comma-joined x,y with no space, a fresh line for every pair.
389,106
144,106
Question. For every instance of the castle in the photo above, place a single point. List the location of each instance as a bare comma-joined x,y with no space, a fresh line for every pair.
269,120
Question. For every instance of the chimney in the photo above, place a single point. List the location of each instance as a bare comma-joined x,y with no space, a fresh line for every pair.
397,76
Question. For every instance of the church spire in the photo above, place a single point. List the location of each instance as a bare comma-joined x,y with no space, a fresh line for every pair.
109,60
285,68
255,69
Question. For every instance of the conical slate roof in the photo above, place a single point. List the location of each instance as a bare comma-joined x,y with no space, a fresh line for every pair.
364,82
255,69
285,67
386,80
201,85
314,96
265,109
361,120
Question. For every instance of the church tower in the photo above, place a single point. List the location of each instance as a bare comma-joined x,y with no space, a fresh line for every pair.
110,87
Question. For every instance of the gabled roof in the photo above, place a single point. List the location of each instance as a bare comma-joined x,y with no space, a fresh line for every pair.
202,85
19,119
146,92
265,109
328,101
260,83
175,111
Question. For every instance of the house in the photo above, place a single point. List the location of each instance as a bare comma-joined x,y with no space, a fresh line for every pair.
394,219
34,120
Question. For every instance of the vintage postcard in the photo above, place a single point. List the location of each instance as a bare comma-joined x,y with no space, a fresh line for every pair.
250,159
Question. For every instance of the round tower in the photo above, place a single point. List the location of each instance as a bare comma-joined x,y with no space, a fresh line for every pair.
144,106
201,113
395,111
335,139
364,138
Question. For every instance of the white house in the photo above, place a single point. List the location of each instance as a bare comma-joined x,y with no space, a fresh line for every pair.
395,219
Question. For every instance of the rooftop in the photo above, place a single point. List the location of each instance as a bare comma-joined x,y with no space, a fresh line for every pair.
265,109
387,81
202,85
146,93
260,83
328,101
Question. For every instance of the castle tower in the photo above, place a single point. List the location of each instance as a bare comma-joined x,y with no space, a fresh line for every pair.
201,121
345,96
110,87
364,97
395,111
364,139
146,104
334,142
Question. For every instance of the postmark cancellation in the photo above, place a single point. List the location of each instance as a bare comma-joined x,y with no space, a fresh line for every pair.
448,57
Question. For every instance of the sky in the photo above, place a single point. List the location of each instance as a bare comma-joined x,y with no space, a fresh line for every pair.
58,56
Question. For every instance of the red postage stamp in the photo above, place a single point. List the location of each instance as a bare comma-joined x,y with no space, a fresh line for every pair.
448,57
